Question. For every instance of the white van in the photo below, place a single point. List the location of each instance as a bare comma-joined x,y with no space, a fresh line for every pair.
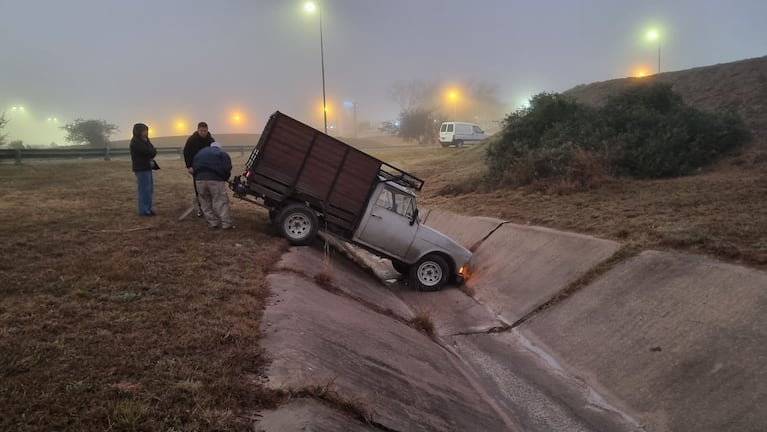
460,134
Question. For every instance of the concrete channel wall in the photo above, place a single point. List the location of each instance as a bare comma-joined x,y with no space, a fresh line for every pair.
656,342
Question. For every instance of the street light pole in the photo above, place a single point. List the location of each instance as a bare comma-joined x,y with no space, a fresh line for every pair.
658,55
322,62
653,35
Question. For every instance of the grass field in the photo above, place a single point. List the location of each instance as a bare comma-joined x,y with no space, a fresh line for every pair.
113,322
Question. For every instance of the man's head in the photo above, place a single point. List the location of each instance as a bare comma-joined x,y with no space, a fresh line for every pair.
202,129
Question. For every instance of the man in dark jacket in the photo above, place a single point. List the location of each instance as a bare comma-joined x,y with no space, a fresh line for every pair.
196,142
212,168
142,152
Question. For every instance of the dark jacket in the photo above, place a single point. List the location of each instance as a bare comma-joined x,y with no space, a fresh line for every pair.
212,163
194,144
141,152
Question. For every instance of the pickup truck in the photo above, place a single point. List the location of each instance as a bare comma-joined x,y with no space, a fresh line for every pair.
310,181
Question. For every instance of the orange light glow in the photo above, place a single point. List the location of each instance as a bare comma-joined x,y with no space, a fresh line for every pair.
640,71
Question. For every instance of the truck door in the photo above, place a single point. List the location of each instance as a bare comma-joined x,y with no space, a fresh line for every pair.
388,226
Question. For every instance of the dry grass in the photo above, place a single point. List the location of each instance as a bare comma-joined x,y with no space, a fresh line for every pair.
104,326
422,322
327,393
720,211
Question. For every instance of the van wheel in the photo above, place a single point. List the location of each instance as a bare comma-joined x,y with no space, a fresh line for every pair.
431,273
459,144
298,224
400,267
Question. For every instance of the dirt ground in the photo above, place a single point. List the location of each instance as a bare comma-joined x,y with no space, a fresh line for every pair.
113,322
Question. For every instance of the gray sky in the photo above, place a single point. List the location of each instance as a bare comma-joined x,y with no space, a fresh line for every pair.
168,61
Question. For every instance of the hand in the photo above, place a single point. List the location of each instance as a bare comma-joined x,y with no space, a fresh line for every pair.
190,170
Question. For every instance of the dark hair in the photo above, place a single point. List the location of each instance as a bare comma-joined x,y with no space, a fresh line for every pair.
138,128
202,124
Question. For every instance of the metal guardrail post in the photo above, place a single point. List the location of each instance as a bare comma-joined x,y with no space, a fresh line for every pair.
18,156
106,154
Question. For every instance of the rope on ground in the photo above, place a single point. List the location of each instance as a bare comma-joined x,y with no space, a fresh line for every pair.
119,231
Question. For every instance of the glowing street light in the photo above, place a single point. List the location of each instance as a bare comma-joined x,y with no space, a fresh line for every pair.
454,97
654,35
310,7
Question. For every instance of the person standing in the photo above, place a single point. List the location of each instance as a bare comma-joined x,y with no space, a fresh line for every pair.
212,167
142,154
200,139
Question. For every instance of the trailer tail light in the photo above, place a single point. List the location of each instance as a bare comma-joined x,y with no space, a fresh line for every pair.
247,174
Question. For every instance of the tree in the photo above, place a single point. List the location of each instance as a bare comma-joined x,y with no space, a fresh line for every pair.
413,94
3,122
93,132
420,125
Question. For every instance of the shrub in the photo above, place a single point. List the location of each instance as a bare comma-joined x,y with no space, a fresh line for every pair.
646,132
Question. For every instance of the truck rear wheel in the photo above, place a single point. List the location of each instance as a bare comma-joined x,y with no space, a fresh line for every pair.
431,273
459,144
298,224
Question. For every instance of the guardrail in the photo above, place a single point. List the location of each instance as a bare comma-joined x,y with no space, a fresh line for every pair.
93,153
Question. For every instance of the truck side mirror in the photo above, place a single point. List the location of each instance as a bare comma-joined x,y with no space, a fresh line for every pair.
414,217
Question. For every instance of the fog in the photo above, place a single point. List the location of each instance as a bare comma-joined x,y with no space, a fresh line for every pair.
173,63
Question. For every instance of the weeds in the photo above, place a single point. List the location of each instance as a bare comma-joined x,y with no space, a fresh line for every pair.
423,323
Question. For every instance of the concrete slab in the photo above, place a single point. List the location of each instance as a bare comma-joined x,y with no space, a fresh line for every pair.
307,415
346,276
466,230
536,392
451,311
410,382
679,339
518,268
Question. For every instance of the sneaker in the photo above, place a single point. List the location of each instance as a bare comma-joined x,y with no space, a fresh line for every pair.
230,227
213,227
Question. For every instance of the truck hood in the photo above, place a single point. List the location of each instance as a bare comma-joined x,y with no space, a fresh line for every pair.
427,239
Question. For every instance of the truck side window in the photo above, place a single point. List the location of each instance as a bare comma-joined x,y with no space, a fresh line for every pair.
477,130
404,204
385,200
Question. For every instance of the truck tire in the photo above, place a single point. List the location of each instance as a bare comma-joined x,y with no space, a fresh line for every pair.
298,224
400,267
430,273
274,219
459,144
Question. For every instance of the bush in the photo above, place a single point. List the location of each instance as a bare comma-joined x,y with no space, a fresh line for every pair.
645,132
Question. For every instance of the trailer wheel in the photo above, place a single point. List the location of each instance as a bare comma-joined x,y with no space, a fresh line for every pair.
298,224
400,267
431,273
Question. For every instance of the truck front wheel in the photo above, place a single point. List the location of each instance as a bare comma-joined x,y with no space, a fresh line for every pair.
298,223
431,273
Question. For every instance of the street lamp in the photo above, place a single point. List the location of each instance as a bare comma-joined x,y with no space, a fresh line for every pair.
653,35
453,97
311,7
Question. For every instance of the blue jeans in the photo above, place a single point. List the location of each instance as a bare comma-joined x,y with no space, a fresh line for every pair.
145,188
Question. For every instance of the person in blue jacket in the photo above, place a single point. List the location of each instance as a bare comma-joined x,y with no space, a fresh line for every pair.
142,154
212,167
